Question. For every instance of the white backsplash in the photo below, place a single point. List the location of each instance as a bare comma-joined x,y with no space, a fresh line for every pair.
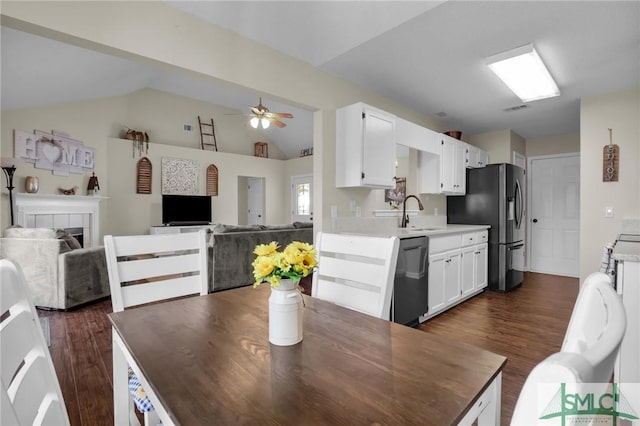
382,224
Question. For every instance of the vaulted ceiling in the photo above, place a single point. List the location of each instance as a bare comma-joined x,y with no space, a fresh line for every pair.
426,55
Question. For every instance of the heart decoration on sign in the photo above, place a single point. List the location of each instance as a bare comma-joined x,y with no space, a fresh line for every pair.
51,152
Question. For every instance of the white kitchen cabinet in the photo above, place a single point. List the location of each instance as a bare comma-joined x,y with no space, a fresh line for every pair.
452,277
468,271
457,269
365,147
446,173
481,266
436,284
476,157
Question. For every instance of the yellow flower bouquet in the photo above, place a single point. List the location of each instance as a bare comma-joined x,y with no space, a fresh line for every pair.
296,261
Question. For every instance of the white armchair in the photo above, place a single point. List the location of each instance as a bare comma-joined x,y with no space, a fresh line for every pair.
58,277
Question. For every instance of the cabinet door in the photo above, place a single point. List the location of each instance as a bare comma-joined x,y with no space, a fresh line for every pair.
473,154
483,158
452,277
481,255
460,168
379,149
436,283
447,164
468,271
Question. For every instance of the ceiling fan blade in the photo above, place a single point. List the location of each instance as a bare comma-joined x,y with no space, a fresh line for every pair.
276,122
280,114
255,110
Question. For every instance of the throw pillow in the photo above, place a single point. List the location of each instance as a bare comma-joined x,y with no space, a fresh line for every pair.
71,241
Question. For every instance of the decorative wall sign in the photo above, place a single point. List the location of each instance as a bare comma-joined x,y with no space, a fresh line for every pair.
395,196
261,149
54,151
143,176
212,180
179,176
610,160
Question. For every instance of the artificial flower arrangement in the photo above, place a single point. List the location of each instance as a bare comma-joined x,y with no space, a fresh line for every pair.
296,261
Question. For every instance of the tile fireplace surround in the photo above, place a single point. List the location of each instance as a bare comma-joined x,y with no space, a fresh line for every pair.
61,211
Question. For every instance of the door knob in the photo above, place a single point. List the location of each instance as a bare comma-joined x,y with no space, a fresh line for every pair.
535,220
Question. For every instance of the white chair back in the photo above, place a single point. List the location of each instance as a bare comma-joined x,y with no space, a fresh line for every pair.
356,272
588,354
148,268
597,326
30,390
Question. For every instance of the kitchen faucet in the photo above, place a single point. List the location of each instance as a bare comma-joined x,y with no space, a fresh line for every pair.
405,216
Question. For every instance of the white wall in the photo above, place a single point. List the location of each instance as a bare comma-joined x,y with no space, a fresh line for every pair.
619,111
559,144
131,213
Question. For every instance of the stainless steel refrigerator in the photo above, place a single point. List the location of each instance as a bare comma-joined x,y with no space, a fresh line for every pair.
495,196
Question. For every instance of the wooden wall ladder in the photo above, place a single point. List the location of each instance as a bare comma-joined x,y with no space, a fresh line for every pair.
207,135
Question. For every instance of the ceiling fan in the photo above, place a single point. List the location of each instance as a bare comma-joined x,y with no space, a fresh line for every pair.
262,116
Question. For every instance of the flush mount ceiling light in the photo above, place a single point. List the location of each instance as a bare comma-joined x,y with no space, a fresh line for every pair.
522,70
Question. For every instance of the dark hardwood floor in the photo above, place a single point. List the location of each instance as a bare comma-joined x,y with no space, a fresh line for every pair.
525,325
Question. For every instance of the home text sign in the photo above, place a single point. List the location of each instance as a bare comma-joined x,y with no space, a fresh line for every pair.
54,151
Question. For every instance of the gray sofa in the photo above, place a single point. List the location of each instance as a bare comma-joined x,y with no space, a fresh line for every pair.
59,274
231,250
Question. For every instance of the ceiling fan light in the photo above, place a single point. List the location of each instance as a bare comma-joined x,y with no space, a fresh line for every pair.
523,71
265,123
254,122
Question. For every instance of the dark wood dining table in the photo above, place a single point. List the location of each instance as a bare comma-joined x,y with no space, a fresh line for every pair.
207,360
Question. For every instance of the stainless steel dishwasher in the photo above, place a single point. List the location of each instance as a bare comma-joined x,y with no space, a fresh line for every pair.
410,288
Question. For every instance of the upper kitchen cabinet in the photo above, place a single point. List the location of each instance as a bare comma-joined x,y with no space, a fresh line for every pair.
365,147
476,157
417,137
444,173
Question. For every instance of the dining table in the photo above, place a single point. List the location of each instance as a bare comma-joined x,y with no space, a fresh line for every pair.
206,360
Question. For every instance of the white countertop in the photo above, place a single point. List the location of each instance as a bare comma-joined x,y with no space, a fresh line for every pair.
410,232
627,251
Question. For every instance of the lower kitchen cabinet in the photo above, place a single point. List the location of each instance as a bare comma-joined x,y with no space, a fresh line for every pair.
457,269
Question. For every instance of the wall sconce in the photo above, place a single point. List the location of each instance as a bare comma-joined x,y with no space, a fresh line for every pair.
8,174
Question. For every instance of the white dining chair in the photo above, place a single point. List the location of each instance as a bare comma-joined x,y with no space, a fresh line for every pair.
150,268
587,357
356,272
31,392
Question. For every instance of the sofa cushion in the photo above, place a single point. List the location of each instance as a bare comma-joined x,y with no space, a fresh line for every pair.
71,241
303,224
223,229
277,227
36,233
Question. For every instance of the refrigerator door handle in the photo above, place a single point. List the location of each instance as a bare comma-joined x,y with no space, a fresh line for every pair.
519,206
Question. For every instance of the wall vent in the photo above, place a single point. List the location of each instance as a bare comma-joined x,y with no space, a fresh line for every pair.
515,108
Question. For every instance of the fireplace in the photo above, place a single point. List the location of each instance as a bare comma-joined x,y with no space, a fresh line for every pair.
71,212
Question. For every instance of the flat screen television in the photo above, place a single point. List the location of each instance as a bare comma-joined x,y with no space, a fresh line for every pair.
186,209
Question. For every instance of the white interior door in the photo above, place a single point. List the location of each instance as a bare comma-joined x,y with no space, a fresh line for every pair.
255,201
302,198
554,214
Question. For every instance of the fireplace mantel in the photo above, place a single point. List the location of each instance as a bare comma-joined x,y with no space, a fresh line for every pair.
61,211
